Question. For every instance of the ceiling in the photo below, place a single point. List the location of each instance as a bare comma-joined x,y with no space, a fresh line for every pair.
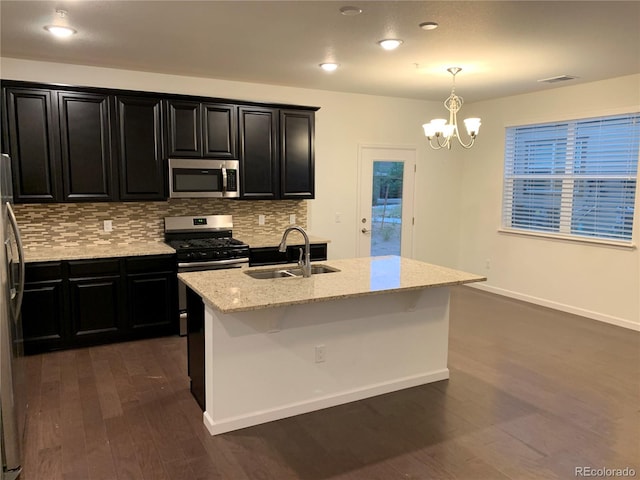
504,47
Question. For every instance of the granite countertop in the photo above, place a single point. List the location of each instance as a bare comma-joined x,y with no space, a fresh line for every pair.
233,291
50,254
262,241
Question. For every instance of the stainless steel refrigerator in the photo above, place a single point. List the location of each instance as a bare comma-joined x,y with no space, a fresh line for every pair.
12,382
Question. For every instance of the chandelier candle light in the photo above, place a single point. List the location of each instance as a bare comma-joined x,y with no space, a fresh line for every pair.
440,133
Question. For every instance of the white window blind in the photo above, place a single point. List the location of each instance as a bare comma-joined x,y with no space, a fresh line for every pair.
574,178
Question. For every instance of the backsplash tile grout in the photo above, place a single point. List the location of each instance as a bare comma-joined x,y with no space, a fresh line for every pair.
78,224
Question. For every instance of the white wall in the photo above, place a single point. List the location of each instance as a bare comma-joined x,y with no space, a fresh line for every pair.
343,122
598,281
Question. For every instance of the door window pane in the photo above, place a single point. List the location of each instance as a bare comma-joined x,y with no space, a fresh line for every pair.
386,208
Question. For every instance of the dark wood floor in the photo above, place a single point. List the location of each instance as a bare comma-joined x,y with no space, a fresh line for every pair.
533,394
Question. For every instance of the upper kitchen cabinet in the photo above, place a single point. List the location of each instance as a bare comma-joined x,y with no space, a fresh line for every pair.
276,153
140,148
85,138
220,131
202,130
79,144
31,138
185,128
259,166
296,154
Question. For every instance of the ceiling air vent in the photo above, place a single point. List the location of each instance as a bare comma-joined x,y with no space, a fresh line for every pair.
559,78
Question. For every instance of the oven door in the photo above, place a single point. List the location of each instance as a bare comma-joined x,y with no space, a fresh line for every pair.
200,267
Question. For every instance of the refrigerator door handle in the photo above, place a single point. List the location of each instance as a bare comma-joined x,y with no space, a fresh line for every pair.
21,265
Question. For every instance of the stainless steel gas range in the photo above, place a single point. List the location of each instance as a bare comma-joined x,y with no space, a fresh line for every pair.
203,243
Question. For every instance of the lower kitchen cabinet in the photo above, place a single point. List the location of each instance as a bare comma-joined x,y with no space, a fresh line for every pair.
152,301
195,346
43,308
96,301
78,303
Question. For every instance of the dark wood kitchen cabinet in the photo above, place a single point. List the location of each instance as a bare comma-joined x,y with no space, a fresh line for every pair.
196,347
140,154
96,301
85,140
78,303
276,153
202,130
297,154
259,167
185,128
152,302
43,308
32,140
75,144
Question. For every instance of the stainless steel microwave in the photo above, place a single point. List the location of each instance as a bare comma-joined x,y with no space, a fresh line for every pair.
189,178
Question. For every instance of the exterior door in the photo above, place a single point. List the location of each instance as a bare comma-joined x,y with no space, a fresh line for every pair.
385,222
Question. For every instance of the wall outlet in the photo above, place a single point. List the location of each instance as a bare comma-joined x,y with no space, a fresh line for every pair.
260,219
107,225
321,353
292,219
338,217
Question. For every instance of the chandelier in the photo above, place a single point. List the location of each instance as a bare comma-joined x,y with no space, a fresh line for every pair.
440,133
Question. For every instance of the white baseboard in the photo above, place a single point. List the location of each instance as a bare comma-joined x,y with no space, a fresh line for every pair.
601,317
264,416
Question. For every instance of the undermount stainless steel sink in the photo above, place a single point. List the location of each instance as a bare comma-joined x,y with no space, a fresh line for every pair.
288,272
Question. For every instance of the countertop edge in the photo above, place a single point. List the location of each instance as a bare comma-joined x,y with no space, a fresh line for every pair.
87,253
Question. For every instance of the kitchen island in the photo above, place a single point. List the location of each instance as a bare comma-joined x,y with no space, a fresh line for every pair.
277,347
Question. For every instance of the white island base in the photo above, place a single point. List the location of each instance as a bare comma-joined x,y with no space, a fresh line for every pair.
267,364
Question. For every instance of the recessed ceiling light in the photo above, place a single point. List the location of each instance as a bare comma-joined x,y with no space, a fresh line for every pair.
60,31
328,67
559,78
390,43
428,25
350,11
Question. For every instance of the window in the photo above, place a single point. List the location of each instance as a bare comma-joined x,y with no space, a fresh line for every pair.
574,178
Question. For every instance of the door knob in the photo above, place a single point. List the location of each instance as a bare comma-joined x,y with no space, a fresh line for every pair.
364,230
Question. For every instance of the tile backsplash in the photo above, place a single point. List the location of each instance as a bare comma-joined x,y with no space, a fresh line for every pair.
77,224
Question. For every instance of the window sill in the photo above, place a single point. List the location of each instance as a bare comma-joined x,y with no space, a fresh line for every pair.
567,238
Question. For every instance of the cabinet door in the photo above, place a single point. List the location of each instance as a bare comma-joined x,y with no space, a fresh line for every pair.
259,168
195,346
96,310
220,132
296,154
43,316
141,163
85,137
33,144
152,304
185,132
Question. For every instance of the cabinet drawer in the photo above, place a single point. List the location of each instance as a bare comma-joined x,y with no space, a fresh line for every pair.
151,263
41,272
88,268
